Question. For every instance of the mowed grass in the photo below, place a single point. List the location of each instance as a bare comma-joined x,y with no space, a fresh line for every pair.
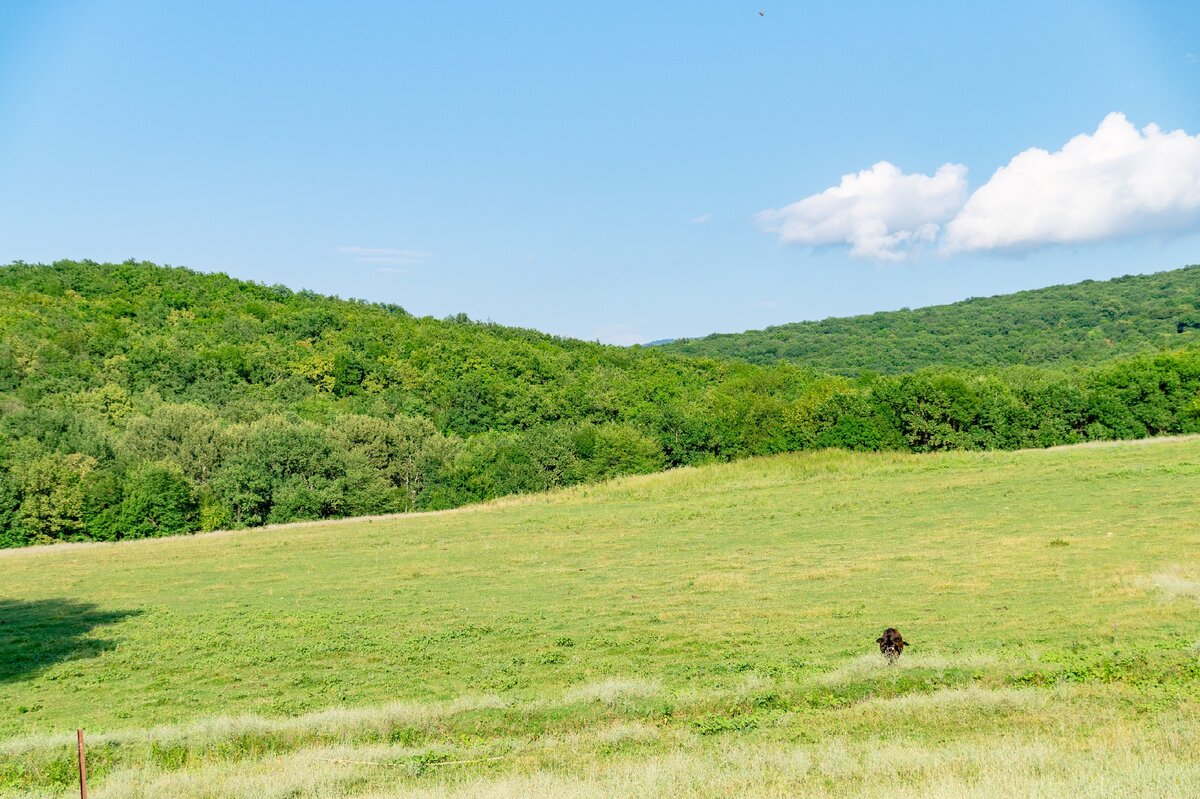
702,632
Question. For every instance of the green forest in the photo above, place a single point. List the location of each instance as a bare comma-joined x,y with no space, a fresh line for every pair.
140,400
1084,322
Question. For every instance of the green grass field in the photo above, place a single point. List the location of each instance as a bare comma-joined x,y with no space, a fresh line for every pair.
702,632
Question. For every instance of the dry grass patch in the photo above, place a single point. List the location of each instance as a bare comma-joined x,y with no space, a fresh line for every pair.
1000,767
1174,585
874,666
614,690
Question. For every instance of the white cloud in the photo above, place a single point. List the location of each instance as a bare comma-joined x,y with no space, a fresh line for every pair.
383,255
700,220
880,212
1113,183
1116,182
1191,58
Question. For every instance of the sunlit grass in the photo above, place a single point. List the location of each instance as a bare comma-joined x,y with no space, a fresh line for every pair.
708,631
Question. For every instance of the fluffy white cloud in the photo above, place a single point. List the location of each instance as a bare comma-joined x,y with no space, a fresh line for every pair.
1116,182
880,212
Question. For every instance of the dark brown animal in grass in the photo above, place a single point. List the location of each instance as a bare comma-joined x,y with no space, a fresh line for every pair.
891,644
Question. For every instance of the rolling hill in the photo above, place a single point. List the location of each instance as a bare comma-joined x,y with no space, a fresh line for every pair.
705,631
1081,323
140,401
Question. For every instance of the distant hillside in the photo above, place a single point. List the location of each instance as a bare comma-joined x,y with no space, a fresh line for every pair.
138,400
1086,322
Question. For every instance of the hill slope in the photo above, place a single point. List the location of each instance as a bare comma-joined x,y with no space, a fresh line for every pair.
703,632
138,400
1082,323
236,404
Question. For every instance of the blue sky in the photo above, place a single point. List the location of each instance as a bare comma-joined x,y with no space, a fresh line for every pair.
602,170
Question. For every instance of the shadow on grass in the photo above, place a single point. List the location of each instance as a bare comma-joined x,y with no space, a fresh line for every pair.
38,633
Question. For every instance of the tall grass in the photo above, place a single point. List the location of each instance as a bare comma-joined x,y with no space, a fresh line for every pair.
1033,756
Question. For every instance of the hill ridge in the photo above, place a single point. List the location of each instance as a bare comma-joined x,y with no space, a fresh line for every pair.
1070,323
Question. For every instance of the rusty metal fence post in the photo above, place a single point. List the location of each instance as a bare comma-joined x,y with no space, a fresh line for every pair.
82,765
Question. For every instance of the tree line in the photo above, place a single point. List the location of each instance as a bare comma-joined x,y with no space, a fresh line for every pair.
139,400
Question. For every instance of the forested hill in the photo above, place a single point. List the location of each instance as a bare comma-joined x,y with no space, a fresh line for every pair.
1086,322
139,400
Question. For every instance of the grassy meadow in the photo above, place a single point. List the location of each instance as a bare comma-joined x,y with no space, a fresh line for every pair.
702,632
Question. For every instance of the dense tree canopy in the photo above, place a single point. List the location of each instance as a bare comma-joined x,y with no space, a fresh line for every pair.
138,400
1084,322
